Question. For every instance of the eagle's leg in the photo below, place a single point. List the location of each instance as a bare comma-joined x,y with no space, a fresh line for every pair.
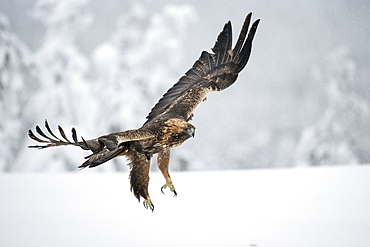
163,161
139,177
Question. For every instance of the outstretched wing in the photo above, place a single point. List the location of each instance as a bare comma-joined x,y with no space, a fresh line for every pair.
111,141
211,72
103,148
54,141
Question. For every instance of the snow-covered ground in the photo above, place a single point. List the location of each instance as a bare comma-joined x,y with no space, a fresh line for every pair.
280,207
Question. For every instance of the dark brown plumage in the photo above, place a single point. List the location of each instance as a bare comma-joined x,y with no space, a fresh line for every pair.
167,123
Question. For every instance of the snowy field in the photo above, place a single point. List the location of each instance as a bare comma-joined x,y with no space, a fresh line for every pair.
281,207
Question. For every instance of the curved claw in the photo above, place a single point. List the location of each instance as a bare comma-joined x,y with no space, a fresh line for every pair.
172,188
148,204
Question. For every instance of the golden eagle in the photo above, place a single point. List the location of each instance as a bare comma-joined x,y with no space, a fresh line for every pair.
167,125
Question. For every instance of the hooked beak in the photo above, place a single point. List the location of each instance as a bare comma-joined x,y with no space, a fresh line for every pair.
191,132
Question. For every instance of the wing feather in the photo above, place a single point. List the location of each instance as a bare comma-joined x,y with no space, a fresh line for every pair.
194,73
102,157
223,44
114,140
61,131
55,141
211,72
50,131
114,145
242,34
207,61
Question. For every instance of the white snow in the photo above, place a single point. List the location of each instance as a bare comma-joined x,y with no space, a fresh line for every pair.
282,207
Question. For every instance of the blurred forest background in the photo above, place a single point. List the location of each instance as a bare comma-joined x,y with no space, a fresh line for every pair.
100,66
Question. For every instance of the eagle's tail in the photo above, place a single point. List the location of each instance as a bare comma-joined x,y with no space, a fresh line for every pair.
53,141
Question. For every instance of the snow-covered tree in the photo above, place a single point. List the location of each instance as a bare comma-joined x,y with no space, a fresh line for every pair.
63,93
15,86
341,136
129,73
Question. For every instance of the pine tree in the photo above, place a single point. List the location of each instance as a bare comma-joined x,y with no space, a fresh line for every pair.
63,93
15,87
340,136
129,73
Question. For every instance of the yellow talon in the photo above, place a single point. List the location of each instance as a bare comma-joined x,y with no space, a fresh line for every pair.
171,186
148,204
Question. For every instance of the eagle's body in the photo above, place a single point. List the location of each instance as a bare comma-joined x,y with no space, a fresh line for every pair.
167,124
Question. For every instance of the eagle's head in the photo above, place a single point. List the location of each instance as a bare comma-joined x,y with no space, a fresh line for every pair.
189,130
184,132
177,131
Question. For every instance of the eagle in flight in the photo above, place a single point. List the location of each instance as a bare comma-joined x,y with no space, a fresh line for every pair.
167,125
